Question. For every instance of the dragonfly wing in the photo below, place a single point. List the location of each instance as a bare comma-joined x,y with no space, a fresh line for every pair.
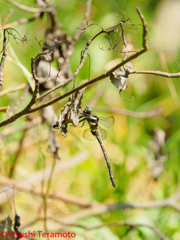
107,122
102,133
88,135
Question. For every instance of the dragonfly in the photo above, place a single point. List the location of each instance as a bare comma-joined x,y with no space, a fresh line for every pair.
96,132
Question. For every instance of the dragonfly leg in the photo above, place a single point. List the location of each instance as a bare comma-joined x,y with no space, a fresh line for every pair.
56,126
82,120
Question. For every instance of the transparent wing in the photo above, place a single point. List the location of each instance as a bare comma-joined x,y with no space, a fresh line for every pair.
102,133
107,122
88,135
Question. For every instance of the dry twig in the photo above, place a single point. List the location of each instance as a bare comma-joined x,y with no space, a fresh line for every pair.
14,89
3,59
87,13
126,112
21,21
7,17
103,208
121,223
157,73
4,109
29,9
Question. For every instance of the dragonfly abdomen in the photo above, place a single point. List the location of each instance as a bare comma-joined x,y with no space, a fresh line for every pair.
95,132
107,162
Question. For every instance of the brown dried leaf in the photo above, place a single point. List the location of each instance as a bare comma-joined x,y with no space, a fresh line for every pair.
118,80
70,112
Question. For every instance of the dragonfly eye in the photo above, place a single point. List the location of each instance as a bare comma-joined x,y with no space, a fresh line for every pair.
89,110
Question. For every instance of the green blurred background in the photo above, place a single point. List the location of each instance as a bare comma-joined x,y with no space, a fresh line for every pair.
128,141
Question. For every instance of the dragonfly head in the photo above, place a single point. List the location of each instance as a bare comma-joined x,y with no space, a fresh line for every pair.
87,110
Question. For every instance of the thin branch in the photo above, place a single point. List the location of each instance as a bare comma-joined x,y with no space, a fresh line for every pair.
95,98
145,30
158,73
14,89
3,60
31,222
120,223
97,209
50,178
45,196
87,13
24,126
7,17
36,89
124,40
144,115
21,66
29,9
58,195
4,109
134,225
21,98
163,61
14,164
21,21
6,189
